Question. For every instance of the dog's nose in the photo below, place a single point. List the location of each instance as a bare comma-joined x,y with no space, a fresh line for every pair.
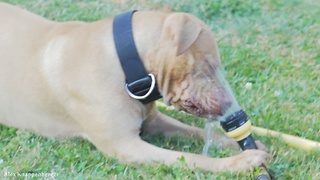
228,101
225,102
221,106
221,102
218,111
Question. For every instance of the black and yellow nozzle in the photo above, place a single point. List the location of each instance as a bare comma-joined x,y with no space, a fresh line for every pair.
237,126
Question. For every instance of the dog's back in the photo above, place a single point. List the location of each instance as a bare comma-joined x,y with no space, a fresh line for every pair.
24,94
46,66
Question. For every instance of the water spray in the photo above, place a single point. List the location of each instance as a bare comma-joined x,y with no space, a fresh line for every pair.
237,126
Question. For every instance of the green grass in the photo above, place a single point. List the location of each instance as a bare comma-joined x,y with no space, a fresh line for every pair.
275,45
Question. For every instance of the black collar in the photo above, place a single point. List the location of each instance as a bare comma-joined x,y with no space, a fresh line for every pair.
140,84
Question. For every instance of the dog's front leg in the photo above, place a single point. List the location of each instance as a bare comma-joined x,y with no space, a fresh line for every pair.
132,149
119,137
159,123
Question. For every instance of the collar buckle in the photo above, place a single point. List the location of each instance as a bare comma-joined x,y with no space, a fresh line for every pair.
144,89
141,88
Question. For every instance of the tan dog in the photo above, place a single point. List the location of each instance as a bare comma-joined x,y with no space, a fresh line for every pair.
65,79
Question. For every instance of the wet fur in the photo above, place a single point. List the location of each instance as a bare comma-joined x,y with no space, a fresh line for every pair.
65,79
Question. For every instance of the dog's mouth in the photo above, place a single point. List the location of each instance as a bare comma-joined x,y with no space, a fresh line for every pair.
193,107
196,108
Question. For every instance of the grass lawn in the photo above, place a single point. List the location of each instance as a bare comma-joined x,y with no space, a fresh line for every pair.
275,45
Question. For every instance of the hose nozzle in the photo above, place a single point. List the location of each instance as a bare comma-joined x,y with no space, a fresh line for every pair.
237,126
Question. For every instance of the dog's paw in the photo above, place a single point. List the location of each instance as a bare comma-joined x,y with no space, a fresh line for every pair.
261,146
249,159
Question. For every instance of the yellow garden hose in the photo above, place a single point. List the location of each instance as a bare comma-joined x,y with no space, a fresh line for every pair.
294,141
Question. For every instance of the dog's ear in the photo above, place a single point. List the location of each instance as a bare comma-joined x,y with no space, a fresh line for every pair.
183,30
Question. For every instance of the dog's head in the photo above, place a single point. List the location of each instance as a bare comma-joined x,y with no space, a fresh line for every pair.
188,68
